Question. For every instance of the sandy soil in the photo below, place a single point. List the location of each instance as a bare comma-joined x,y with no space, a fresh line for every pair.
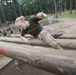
65,23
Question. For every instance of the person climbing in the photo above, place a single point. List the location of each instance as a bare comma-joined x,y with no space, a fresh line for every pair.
34,28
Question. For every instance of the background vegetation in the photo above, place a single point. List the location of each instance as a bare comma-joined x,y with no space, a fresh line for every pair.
11,9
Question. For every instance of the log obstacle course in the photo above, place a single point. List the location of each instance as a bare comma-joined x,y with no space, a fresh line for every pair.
65,43
69,34
59,62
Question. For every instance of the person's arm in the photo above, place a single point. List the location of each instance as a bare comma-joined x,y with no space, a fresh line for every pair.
41,15
34,18
25,39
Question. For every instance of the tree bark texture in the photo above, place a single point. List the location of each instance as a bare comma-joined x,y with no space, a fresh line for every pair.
59,62
65,43
64,36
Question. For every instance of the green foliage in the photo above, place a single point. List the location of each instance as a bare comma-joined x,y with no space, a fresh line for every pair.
14,8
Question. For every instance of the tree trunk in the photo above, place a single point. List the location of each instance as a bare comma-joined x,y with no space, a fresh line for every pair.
14,9
65,43
55,9
59,8
75,6
65,6
55,61
2,13
70,6
20,9
46,6
40,5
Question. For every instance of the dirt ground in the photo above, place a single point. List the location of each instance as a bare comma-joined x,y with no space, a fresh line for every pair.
64,23
10,69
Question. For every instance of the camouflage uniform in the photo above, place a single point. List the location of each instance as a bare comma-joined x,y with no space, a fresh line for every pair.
47,35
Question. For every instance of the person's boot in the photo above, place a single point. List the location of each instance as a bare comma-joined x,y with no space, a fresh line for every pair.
58,47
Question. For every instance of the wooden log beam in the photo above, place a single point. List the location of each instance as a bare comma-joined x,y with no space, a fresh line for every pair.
18,35
67,36
64,36
65,43
59,62
67,31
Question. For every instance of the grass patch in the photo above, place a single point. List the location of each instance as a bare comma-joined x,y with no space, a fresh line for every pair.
68,15
44,19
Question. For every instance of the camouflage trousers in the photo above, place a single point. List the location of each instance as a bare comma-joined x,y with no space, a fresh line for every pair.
48,36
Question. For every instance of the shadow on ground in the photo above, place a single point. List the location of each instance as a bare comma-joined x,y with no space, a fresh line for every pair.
10,69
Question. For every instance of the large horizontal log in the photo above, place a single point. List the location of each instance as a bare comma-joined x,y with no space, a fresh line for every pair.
65,43
18,35
67,31
64,36
59,62
67,36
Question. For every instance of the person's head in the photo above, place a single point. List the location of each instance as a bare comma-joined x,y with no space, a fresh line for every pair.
21,23
41,15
